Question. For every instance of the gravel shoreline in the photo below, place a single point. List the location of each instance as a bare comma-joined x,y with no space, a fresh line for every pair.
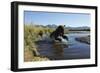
85,39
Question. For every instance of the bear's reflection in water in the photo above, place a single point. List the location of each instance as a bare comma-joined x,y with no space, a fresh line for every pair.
58,50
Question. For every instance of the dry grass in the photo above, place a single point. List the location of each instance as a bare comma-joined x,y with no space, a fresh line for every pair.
28,55
31,35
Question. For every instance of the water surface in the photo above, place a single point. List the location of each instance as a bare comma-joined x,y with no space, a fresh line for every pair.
75,49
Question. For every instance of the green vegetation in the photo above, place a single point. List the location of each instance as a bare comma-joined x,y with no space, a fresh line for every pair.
31,35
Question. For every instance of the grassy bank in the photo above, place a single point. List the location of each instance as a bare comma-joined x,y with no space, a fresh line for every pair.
31,35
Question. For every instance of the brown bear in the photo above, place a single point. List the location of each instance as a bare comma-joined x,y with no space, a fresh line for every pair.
58,32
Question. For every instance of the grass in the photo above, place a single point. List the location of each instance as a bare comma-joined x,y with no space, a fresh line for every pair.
31,35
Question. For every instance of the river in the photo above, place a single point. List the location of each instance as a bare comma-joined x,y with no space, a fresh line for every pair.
75,50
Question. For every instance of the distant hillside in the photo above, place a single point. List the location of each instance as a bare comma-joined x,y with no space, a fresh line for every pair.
83,28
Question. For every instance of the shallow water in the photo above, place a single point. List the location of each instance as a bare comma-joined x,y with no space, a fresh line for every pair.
75,49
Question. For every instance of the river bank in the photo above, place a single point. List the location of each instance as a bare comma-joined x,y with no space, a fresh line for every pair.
32,55
85,39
